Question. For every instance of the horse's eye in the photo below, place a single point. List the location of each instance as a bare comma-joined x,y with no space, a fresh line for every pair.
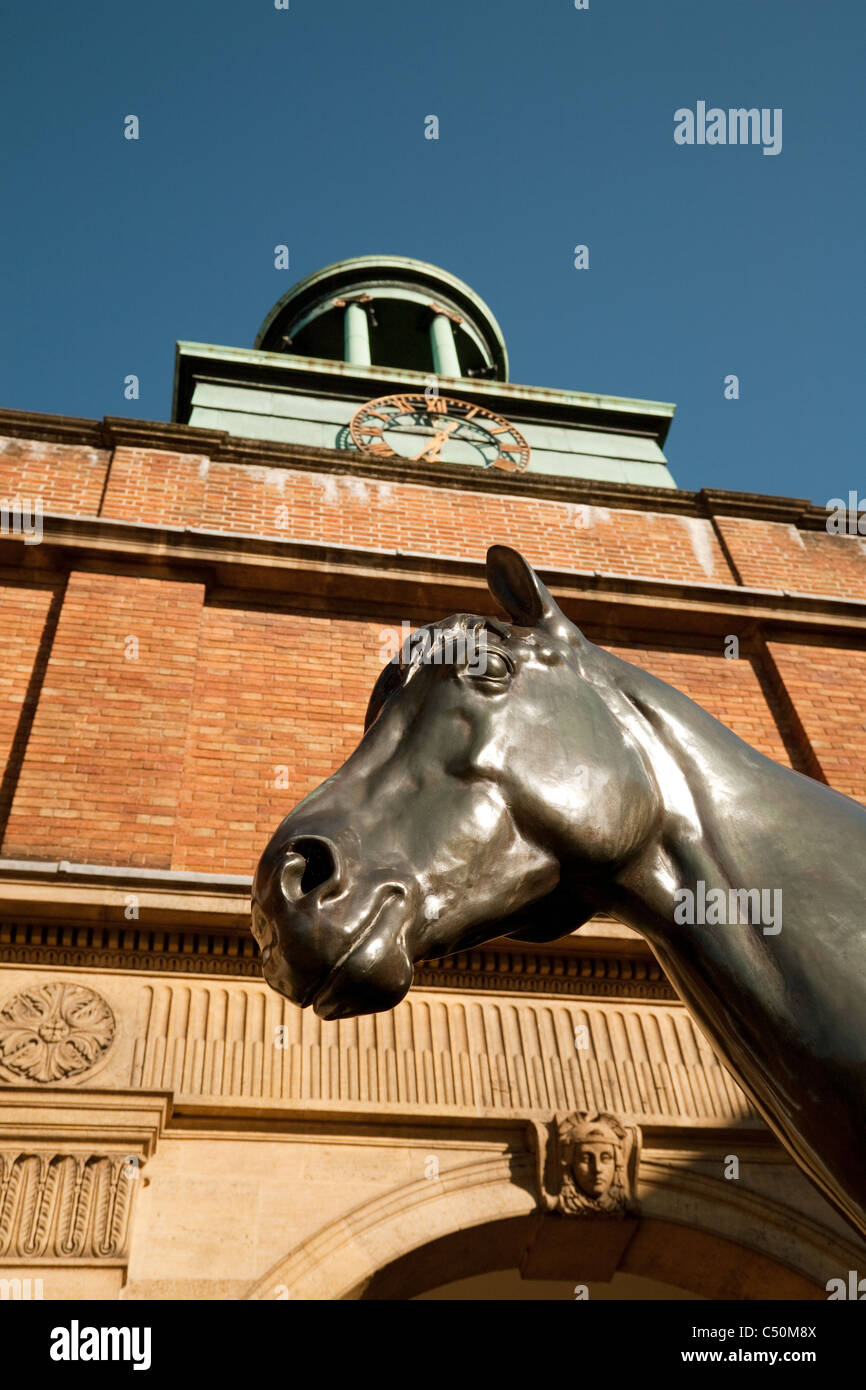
490,665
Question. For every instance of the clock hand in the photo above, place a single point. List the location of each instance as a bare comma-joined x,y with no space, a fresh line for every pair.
432,450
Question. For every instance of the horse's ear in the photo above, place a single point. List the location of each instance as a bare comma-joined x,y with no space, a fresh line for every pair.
513,582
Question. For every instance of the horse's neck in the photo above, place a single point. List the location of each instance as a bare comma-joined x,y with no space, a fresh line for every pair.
720,798
784,1007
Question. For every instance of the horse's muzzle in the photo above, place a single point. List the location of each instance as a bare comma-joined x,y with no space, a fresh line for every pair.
330,937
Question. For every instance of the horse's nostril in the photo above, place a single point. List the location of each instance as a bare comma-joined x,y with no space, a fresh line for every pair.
319,865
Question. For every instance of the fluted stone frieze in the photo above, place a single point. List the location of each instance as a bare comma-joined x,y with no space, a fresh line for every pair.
435,1051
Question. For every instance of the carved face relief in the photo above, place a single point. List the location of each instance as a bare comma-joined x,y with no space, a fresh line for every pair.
594,1164
587,1164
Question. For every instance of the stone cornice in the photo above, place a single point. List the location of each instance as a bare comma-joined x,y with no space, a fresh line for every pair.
593,967
200,924
83,893
317,575
699,1137
114,431
110,1119
259,369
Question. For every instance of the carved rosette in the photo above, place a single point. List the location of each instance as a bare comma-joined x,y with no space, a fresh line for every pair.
588,1164
59,1206
52,1032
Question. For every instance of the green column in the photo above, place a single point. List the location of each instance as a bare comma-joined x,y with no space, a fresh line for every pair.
356,335
445,361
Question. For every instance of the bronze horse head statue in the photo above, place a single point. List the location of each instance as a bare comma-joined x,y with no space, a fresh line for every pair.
521,794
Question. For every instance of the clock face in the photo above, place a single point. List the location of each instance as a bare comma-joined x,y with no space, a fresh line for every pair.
431,428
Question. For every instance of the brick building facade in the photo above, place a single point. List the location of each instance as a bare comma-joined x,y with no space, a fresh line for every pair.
188,651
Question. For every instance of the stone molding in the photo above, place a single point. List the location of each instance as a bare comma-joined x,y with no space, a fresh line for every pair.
590,970
70,1170
380,582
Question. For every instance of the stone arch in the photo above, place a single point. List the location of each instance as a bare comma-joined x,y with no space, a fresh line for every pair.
702,1234
698,1261
340,1260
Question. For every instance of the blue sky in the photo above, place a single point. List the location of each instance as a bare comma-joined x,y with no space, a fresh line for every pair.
306,127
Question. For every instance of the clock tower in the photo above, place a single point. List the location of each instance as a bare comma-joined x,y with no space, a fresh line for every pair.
398,362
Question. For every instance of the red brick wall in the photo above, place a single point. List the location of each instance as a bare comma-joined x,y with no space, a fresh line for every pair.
173,760
827,686
102,773
155,487
68,477
23,611
769,555
271,691
292,503
277,696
